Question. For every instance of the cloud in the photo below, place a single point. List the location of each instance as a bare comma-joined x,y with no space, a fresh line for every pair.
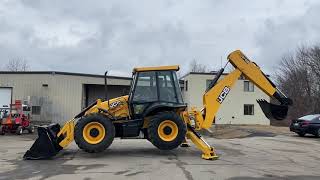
92,36
280,36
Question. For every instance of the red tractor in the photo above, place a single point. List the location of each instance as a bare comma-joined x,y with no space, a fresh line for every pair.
17,120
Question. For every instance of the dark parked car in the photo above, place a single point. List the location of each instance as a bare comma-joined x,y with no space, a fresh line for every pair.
309,124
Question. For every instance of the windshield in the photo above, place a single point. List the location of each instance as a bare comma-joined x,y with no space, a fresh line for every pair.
309,117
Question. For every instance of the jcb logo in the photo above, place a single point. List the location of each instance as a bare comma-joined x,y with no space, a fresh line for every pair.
223,94
114,104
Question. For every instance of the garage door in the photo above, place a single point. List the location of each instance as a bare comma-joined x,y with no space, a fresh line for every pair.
5,97
94,92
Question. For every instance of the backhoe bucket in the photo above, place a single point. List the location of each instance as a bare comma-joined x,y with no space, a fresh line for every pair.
46,145
273,111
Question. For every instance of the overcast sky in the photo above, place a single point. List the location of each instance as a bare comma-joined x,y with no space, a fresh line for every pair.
92,36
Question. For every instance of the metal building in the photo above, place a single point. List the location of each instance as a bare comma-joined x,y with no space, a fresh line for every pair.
57,96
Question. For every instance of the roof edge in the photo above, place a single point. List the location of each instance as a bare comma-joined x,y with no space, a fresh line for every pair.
207,73
156,68
63,73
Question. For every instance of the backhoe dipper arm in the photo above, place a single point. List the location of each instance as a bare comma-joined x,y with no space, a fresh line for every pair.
218,90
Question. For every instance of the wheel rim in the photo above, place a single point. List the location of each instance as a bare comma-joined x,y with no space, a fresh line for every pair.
94,132
168,130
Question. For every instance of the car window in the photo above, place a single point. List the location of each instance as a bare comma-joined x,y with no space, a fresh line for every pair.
310,117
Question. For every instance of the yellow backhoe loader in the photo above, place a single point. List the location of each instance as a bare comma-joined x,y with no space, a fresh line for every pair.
154,106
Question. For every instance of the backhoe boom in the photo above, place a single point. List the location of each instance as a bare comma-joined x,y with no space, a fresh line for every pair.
215,96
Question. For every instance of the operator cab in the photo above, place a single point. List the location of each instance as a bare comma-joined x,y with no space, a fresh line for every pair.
153,88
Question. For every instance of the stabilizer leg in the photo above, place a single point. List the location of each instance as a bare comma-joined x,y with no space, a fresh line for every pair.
207,150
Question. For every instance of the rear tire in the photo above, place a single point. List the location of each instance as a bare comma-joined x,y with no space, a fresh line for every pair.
301,134
31,129
94,133
318,133
167,130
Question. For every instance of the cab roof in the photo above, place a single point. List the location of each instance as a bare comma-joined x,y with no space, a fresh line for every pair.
156,68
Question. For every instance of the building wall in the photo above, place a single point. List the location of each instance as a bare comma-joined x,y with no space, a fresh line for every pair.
29,88
60,100
232,109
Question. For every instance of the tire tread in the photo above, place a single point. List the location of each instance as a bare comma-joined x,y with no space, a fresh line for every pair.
78,137
153,130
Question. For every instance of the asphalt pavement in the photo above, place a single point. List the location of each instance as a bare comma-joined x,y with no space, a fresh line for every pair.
251,158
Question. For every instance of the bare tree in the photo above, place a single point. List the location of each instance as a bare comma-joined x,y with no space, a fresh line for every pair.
197,67
17,64
299,76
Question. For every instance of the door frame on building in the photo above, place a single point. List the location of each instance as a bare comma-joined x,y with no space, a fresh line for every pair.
11,90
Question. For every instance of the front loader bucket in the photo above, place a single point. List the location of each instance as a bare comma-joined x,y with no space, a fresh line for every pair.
46,145
273,111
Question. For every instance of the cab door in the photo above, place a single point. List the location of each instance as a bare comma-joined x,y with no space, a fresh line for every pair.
144,92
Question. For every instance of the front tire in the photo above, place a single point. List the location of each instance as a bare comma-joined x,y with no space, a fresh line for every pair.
94,133
167,130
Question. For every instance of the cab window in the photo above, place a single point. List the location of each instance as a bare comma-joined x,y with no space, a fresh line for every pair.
146,88
166,87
